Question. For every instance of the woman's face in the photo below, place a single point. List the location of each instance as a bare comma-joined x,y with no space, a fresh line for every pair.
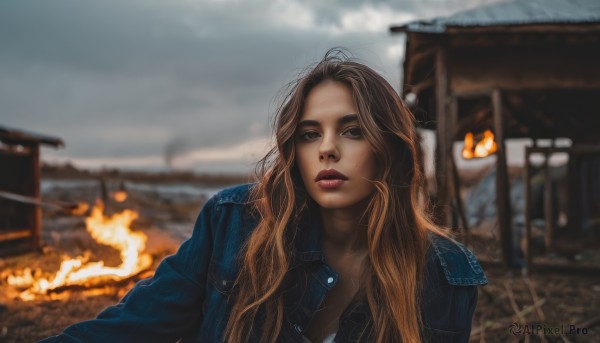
334,159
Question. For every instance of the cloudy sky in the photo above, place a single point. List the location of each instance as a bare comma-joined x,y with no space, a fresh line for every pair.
143,84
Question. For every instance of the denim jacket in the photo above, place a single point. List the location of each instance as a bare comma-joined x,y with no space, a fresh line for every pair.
187,298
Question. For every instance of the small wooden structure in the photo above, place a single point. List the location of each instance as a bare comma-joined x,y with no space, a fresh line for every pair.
20,223
524,69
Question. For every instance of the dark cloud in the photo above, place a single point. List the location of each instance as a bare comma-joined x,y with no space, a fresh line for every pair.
128,78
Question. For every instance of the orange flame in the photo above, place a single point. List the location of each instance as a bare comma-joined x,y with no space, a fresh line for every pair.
81,209
113,231
120,196
485,147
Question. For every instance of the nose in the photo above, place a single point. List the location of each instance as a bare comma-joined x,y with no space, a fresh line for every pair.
328,149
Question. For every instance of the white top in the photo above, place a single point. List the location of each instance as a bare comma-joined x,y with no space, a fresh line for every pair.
328,339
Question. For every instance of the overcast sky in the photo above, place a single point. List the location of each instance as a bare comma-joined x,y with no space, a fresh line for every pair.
123,82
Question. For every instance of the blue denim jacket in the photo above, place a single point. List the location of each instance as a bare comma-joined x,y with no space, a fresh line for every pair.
187,298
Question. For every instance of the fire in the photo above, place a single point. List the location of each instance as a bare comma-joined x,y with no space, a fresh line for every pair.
113,231
484,147
120,196
80,209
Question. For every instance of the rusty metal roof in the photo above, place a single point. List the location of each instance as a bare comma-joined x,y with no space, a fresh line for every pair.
518,12
14,136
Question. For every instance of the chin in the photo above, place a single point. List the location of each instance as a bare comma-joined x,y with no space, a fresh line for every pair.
338,201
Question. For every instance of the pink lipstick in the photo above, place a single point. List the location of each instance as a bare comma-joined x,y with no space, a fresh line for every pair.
330,179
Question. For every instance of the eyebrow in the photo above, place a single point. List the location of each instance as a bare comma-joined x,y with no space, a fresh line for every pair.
343,120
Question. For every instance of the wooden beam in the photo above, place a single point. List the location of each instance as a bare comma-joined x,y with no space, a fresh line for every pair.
545,28
443,148
576,28
548,208
523,68
8,150
37,211
574,213
579,149
528,206
502,184
14,234
454,184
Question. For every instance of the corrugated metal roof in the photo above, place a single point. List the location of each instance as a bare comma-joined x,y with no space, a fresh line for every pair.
518,12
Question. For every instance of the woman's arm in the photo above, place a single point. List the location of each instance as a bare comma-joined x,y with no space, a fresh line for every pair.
468,294
160,309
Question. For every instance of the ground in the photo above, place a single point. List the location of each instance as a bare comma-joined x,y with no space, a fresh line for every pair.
562,301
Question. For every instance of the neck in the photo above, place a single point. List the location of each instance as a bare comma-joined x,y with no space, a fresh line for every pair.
342,233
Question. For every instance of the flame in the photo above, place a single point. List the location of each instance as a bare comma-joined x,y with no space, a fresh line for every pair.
113,231
120,196
80,209
485,147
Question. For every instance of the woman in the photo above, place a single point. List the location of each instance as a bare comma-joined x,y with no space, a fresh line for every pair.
331,244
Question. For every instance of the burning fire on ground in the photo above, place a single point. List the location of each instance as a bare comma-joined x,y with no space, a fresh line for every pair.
113,231
485,145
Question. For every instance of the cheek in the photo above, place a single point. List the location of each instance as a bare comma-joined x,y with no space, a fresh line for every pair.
302,163
367,163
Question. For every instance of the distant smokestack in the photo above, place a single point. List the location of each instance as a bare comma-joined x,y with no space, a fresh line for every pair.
173,149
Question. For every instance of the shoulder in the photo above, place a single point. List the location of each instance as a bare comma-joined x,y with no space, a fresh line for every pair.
228,219
449,297
230,209
458,264
238,194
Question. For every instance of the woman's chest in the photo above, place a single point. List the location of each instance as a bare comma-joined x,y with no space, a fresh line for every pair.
325,320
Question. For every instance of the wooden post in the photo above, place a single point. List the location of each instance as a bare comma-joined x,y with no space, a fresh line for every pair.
527,179
452,171
456,185
37,210
443,137
502,184
548,208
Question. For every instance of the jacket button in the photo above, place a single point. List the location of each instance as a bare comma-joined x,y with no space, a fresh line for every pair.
330,280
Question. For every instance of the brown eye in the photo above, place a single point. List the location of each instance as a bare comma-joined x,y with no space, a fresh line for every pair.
353,132
309,135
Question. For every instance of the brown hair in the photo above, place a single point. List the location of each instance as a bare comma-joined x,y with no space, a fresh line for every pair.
396,217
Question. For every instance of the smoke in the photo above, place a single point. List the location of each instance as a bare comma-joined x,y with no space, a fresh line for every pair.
173,149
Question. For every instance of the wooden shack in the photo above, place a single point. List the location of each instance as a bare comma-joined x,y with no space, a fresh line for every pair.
20,220
522,69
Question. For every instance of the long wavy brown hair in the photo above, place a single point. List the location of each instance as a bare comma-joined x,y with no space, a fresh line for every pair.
397,218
